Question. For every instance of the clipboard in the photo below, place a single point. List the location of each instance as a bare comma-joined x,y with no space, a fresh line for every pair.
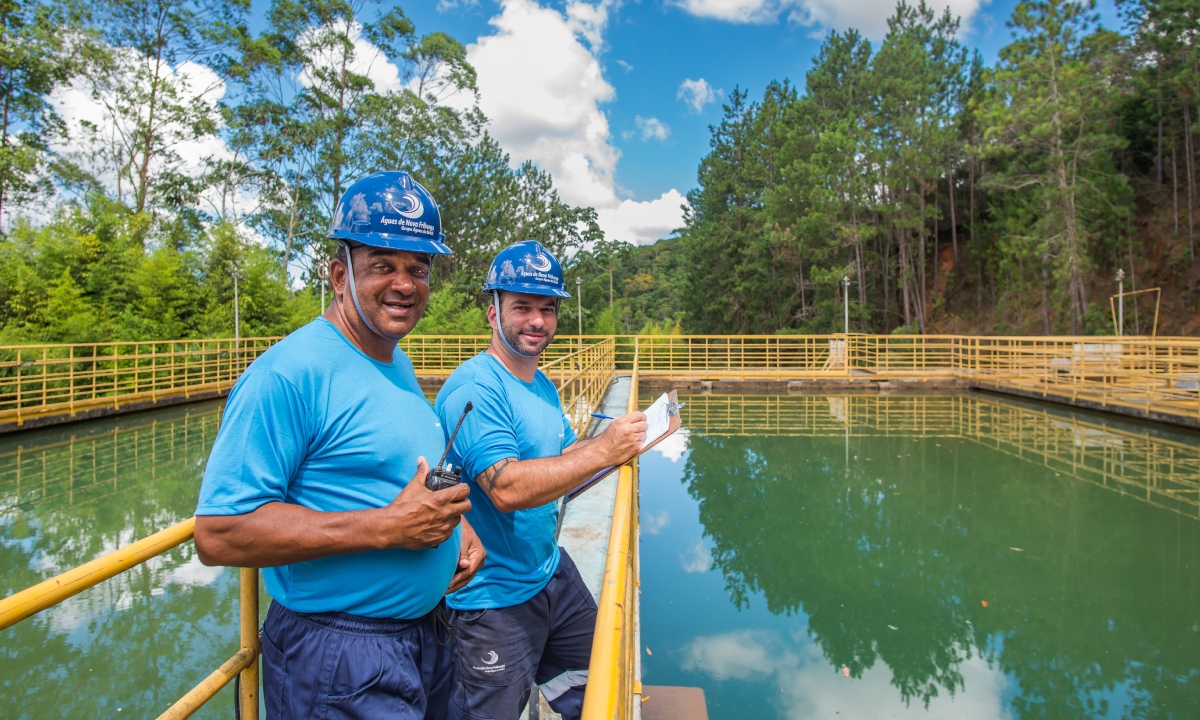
672,406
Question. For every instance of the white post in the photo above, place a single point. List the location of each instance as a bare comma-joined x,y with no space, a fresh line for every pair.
846,300
579,297
1120,302
237,324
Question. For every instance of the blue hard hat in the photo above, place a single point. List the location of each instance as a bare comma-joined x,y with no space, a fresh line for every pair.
389,210
526,267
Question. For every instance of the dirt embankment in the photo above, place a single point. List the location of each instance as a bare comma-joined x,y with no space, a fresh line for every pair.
1156,254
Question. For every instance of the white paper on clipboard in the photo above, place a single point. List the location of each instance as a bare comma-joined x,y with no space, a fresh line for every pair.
658,423
658,419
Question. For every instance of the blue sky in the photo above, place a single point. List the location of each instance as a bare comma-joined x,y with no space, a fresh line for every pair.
591,89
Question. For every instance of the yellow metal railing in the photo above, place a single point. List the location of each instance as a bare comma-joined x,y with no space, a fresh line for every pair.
582,378
1154,377
40,380
20,605
1150,376
612,683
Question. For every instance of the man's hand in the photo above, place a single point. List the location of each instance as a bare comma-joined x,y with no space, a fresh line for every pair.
470,558
418,518
624,437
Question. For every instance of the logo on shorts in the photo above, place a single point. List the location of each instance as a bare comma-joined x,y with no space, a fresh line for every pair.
489,663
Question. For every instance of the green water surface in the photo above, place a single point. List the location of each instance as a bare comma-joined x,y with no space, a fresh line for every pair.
815,557
786,541
133,645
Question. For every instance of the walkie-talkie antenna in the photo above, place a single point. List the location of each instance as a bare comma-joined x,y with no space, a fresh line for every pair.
450,444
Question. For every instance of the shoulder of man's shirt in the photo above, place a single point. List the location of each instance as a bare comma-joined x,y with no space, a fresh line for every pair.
471,371
305,350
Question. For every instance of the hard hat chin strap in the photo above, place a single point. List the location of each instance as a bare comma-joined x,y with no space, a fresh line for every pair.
500,327
354,292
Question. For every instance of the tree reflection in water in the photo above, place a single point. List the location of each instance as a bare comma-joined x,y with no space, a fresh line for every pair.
136,642
888,540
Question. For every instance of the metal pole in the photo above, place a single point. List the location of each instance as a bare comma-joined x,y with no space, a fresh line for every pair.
237,324
1120,302
322,270
579,298
846,300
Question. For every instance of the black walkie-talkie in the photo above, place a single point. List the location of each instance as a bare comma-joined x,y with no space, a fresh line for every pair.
440,478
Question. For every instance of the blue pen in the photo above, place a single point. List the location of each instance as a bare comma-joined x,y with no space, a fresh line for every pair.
600,416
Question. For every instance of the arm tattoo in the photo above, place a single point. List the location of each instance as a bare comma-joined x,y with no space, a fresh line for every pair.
488,478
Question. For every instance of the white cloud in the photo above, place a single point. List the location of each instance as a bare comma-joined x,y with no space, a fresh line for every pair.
809,687
91,127
697,94
542,87
326,50
741,655
625,65
589,21
674,446
452,5
643,222
653,523
652,127
868,16
697,559
735,11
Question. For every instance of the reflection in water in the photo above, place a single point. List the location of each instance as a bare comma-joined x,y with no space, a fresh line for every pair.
834,554
1115,454
136,642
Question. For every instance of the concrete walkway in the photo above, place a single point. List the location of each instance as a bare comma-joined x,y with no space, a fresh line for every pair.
587,519
585,525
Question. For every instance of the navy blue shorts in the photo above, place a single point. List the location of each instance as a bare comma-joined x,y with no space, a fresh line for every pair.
500,653
334,665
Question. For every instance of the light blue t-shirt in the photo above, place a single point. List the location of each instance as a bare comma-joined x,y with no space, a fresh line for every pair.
511,419
316,422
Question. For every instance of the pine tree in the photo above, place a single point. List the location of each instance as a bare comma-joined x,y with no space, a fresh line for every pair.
1049,120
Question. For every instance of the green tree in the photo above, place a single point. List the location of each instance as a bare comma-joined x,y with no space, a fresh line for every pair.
821,210
33,62
311,119
155,98
917,70
734,280
91,275
451,312
1049,116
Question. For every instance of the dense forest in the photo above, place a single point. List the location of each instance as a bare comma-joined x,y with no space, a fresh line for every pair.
953,196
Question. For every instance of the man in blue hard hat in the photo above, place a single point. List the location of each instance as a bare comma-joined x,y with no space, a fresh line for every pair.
317,475
527,616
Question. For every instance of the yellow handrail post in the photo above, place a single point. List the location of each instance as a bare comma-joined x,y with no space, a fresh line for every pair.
248,699
17,375
210,686
610,689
